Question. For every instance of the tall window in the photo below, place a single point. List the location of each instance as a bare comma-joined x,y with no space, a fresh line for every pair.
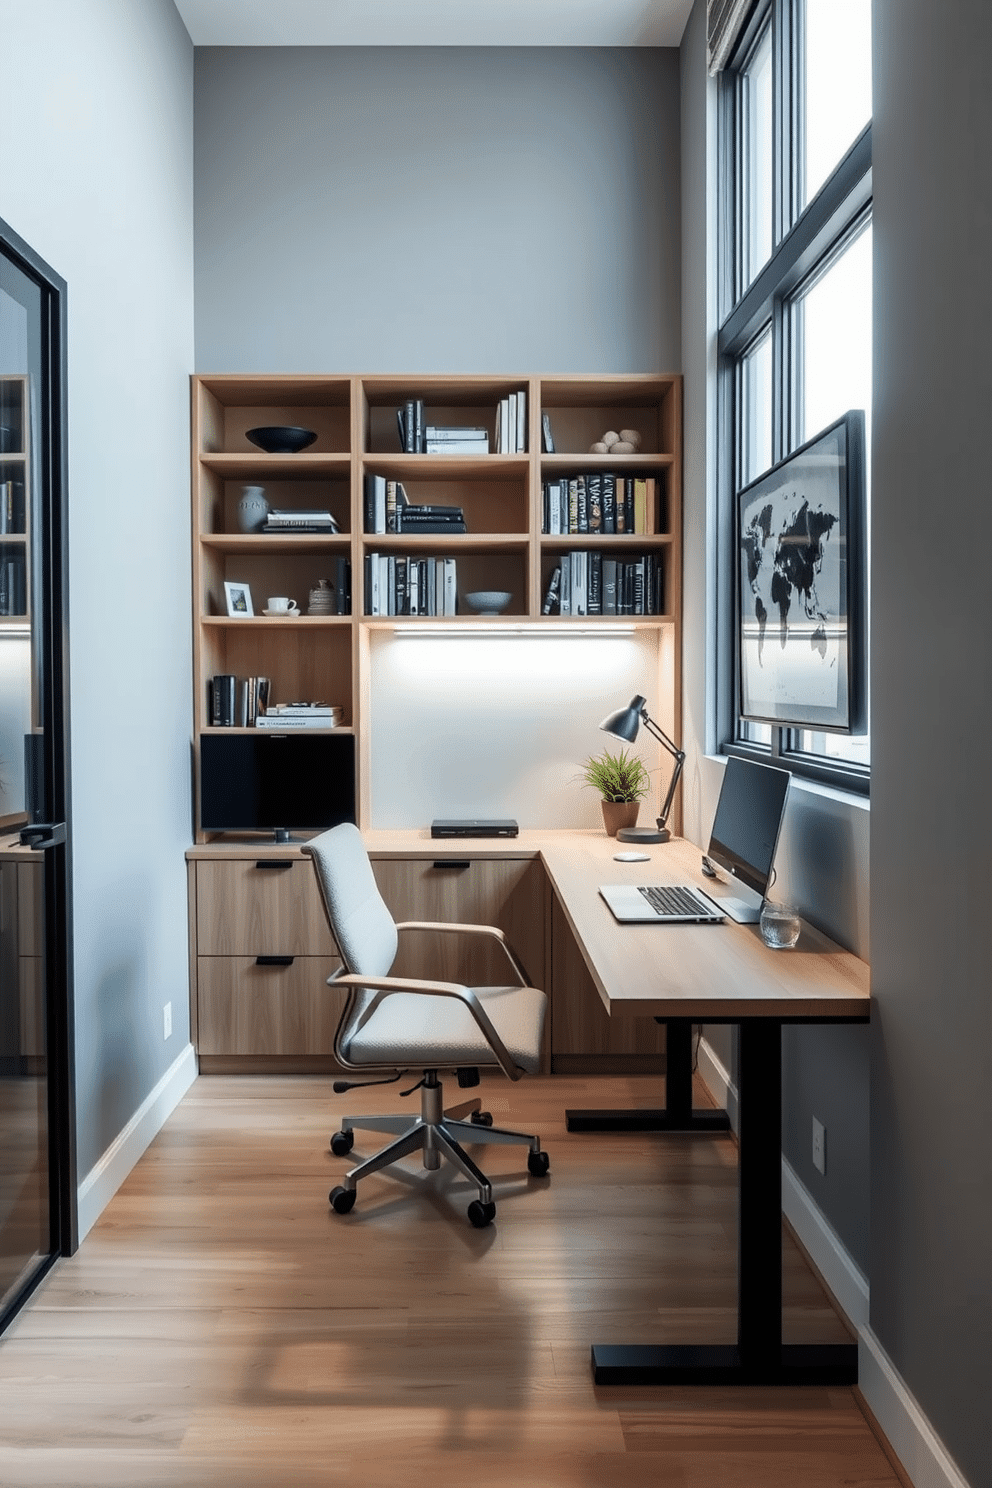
795,333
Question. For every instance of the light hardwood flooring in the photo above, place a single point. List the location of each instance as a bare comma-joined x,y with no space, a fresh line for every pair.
220,1326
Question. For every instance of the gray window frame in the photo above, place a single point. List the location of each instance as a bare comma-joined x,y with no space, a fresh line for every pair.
803,245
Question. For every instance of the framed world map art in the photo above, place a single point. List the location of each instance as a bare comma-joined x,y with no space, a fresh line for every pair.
801,533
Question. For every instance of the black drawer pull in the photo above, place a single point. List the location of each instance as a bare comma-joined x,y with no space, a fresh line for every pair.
274,960
458,863
275,862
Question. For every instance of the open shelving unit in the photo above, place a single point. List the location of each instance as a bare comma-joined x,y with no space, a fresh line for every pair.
504,548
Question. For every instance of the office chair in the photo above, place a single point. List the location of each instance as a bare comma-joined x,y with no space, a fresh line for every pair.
390,1023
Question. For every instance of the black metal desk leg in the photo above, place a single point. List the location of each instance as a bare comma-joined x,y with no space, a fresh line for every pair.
677,1113
760,1357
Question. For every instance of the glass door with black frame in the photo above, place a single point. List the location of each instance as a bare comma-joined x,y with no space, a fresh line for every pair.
35,1126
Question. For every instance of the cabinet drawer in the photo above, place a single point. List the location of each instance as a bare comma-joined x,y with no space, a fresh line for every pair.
244,1008
246,910
508,892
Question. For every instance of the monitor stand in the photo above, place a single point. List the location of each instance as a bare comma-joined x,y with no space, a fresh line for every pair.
283,834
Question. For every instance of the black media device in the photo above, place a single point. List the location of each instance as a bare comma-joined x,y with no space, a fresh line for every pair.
276,782
473,827
748,821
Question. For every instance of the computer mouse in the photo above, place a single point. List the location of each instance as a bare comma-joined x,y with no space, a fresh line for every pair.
631,857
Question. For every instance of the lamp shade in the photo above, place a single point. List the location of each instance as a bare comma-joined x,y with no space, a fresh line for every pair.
625,723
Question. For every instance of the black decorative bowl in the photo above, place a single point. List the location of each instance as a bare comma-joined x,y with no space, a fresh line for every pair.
279,439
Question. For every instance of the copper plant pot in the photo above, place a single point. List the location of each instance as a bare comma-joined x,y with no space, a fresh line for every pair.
617,814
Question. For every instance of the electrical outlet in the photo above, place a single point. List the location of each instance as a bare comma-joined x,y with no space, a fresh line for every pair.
167,1021
819,1146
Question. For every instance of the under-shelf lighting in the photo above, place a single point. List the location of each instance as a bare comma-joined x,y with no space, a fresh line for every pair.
503,632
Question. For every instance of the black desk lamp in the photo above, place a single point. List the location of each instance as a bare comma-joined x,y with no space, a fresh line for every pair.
624,725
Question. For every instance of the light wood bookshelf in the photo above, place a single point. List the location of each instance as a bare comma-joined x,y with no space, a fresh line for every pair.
504,548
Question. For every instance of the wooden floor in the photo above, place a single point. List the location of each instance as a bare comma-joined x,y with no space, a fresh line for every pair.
220,1326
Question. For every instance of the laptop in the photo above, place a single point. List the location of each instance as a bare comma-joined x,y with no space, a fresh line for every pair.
670,904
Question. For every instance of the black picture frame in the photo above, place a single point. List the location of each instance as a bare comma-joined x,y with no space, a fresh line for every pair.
801,586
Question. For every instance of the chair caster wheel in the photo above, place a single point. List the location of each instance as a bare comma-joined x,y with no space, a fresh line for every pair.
342,1143
481,1214
538,1164
481,1118
342,1200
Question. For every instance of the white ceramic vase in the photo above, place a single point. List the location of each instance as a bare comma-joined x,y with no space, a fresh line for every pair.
252,509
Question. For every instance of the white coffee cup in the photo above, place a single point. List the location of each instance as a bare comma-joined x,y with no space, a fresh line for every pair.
280,605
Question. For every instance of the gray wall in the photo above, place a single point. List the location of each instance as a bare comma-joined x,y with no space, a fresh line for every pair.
450,209
823,856
931,1239
96,123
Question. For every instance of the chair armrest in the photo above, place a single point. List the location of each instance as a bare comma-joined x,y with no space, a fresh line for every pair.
492,931
383,987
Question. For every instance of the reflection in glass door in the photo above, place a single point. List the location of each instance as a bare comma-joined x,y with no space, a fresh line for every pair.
36,1127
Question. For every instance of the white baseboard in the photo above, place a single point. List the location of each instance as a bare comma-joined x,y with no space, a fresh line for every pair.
925,1459
106,1176
716,1078
919,1449
827,1251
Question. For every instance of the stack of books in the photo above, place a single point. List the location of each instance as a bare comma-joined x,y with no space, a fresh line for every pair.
585,583
452,439
444,519
300,521
301,716
511,424
389,509
601,502
410,585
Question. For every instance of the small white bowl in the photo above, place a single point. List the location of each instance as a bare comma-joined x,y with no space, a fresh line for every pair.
488,601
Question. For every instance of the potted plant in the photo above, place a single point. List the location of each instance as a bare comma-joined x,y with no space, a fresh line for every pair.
622,781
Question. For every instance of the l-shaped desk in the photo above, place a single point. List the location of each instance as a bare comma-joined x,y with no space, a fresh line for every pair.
679,974
685,974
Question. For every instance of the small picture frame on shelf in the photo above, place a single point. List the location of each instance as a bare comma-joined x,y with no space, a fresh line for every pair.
238,600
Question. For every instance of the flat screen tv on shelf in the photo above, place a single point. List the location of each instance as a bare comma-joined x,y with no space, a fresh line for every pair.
278,783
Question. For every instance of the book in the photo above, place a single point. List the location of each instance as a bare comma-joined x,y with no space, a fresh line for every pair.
303,710
445,433
594,489
521,437
552,595
547,439
342,585
594,584
223,696
609,586
276,721
450,587
375,503
609,503
640,504
457,446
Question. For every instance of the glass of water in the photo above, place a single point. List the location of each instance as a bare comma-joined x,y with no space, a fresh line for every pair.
779,925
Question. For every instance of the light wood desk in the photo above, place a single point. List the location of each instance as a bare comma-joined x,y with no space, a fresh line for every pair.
717,974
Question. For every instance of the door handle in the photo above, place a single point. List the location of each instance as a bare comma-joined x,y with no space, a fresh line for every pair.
275,863
40,835
274,960
453,864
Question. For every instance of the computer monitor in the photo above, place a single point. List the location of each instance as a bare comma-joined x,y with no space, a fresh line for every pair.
748,821
255,782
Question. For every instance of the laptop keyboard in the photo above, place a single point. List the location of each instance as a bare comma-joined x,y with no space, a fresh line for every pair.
672,901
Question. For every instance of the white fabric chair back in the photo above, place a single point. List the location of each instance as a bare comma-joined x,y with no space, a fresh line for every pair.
361,923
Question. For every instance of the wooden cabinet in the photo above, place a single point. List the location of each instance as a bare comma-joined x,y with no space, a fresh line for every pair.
506,892
586,1040
325,657
262,950
261,956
